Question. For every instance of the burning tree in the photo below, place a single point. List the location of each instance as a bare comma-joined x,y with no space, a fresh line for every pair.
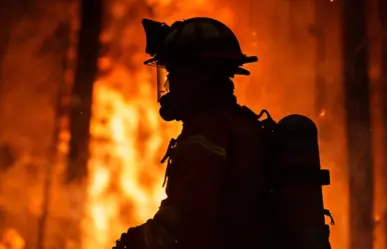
383,82
357,103
33,73
86,74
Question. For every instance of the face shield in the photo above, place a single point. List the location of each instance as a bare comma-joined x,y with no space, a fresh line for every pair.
156,32
160,75
162,82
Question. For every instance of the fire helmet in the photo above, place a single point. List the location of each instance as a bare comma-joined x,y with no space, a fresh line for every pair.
199,40
194,40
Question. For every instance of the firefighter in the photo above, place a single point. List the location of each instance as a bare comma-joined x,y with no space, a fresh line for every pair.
211,173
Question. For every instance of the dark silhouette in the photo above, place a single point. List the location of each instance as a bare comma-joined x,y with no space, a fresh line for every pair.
232,181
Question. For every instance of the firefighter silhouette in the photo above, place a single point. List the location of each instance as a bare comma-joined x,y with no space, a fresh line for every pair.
224,185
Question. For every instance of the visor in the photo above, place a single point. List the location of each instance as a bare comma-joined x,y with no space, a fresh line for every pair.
161,81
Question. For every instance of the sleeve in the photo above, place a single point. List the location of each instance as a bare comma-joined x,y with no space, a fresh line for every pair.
189,214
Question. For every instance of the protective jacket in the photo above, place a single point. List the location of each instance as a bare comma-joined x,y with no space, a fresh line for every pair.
211,178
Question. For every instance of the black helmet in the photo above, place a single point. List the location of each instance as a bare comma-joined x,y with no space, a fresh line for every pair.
195,39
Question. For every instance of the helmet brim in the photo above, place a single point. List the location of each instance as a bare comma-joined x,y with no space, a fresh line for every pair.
242,71
242,59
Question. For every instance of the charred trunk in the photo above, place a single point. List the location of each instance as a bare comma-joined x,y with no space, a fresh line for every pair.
360,160
88,52
8,12
383,81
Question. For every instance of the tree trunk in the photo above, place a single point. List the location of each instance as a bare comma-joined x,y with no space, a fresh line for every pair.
88,52
383,83
360,160
7,16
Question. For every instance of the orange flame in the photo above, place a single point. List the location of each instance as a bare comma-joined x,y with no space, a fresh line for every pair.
125,176
127,135
11,239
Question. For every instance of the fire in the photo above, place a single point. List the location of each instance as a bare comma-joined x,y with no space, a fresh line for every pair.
128,138
11,239
118,166
127,134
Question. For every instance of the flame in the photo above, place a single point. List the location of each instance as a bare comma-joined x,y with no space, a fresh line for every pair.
11,239
128,137
127,134
119,196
